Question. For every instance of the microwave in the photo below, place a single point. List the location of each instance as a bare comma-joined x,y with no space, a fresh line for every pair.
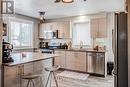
50,34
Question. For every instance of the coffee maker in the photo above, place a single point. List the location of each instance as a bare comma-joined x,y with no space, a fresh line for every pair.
7,49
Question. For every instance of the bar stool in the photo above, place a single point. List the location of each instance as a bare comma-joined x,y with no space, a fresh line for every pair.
30,79
51,71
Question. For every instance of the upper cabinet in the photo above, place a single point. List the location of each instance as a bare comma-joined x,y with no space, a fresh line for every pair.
47,28
98,28
62,27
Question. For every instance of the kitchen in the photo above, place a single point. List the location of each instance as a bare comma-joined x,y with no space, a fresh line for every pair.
79,44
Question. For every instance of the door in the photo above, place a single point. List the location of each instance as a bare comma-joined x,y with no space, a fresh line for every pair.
121,51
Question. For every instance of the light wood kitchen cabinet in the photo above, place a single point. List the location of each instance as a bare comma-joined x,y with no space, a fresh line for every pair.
102,28
46,26
76,60
98,28
41,30
26,70
61,59
64,29
12,79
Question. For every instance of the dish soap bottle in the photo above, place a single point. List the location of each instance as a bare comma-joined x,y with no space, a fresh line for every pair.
69,45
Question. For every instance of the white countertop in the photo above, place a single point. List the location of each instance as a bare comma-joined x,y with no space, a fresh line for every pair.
28,57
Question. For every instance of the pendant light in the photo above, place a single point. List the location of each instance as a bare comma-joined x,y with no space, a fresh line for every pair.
67,1
42,19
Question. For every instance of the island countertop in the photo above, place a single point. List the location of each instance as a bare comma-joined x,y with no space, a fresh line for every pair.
28,57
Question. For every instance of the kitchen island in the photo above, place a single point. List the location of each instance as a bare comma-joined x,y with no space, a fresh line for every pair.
24,64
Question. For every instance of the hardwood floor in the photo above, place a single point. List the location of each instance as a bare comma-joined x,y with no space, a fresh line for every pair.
92,81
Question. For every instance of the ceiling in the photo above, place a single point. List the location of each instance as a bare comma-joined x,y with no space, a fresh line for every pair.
58,10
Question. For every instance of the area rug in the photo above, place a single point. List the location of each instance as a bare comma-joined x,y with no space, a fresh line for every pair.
73,75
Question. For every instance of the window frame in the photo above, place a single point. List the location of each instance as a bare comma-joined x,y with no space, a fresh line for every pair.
21,21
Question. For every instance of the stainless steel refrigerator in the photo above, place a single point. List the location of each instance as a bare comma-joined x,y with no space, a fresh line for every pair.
120,49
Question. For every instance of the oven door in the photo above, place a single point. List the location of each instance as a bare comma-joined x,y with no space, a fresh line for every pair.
47,51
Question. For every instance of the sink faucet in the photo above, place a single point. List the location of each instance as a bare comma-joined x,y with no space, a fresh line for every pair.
81,44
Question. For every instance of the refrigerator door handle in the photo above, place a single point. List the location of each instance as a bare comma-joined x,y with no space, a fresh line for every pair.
114,73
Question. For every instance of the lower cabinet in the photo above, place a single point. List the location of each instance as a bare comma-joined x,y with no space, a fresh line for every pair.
76,60
71,60
60,60
90,62
12,79
26,70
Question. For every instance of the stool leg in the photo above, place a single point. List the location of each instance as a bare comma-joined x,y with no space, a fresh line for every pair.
48,79
41,82
28,83
55,79
33,83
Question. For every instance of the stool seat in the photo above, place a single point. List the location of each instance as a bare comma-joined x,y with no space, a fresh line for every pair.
33,76
52,68
51,71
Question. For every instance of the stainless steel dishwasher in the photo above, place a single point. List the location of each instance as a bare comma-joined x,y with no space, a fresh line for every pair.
96,63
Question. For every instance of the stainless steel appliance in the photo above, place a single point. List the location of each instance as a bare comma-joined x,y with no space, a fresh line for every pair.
43,45
96,63
50,34
120,49
7,49
50,51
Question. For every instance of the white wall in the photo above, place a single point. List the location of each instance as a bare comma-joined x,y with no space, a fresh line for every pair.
110,27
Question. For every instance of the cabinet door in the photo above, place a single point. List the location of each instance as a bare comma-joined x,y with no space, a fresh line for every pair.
98,28
11,78
38,67
60,60
76,61
102,28
64,29
27,69
94,28
42,27
51,26
61,33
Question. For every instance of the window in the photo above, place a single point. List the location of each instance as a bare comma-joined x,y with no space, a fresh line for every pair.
21,33
81,32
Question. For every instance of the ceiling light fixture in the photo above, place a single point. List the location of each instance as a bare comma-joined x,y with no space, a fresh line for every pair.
42,19
66,1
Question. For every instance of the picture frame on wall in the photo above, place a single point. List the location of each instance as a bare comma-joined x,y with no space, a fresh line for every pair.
4,29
